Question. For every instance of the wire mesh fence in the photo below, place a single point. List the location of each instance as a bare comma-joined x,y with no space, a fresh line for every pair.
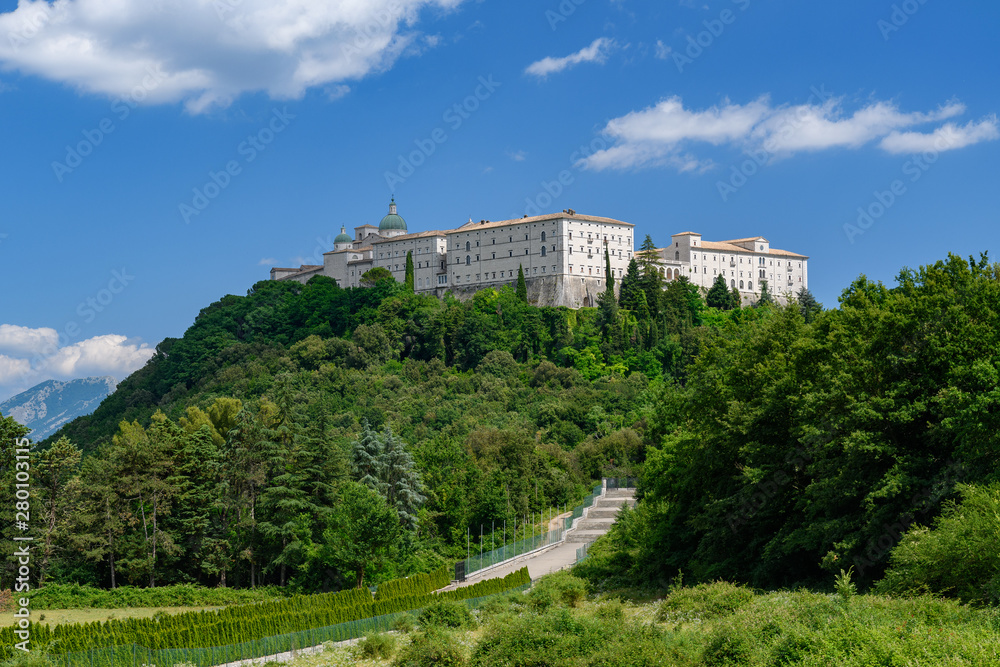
477,562
581,553
133,655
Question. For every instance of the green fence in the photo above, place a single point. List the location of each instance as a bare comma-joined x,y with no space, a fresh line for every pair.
133,655
517,548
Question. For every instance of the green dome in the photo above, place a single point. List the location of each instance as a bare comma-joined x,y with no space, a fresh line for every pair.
342,237
392,222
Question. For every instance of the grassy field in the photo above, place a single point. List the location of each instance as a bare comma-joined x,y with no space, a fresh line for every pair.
718,624
58,616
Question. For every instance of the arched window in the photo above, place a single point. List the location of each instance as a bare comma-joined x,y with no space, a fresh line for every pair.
677,255
543,237
468,260
662,272
733,282
750,286
468,246
543,251
741,284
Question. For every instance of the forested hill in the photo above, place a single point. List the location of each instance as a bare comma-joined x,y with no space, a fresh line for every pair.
775,444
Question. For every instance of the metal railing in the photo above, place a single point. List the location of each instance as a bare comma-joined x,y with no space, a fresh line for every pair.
477,562
621,482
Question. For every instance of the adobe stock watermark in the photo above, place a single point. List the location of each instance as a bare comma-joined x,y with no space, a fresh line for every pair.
883,200
900,16
249,149
22,541
121,108
41,14
87,311
922,502
766,490
454,116
549,191
761,157
562,13
714,29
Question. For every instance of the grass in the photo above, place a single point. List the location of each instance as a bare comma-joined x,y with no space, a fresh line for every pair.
705,625
60,616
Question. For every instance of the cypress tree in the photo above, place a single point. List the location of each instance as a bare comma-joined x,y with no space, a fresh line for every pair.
522,288
408,281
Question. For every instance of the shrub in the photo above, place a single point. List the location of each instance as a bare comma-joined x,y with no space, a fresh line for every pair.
958,557
611,610
727,648
560,588
377,646
705,600
29,659
404,623
432,648
447,614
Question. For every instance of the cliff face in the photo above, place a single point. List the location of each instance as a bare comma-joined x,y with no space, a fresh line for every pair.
46,407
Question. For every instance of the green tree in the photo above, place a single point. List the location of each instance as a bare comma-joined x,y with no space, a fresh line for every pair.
630,288
608,272
408,282
522,288
719,295
374,276
808,305
765,295
735,298
59,490
363,532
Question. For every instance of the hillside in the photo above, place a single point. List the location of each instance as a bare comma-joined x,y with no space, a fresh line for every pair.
776,445
47,407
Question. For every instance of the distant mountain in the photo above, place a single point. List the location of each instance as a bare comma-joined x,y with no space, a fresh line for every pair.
46,407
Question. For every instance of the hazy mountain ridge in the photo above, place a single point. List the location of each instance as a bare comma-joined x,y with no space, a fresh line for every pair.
46,407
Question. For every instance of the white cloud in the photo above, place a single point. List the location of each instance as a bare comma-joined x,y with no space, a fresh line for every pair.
267,261
207,52
945,138
662,50
517,156
662,135
26,341
33,356
597,52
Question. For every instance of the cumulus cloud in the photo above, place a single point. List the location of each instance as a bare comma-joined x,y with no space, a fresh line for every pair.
31,356
945,138
206,53
26,341
597,52
267,261
663,135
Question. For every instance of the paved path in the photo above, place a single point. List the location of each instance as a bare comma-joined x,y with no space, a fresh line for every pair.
595,522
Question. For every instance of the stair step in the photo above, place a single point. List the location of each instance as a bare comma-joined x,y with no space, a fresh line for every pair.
584,535
595,524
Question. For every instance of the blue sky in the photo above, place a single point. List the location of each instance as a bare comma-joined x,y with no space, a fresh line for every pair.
731,118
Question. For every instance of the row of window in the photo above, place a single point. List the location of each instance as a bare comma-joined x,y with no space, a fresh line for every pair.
715,258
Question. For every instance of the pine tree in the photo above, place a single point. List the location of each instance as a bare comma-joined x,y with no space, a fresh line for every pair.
408,282
735,299
401,479
630,289
765,295
719,296
808,304
522,288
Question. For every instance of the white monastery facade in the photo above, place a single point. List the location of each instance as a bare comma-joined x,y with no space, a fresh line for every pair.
561,254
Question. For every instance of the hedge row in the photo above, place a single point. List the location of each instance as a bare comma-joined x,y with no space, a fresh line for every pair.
420,584
75,596
246,623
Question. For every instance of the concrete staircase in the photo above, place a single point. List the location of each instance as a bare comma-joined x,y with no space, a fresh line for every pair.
597,520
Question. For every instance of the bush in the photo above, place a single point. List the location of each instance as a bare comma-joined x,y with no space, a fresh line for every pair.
432,648
727,648
29,659
958,557
705,601
446,614
377,646
404,623
561,588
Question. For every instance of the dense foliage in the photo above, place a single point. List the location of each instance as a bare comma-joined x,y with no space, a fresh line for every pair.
793,448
